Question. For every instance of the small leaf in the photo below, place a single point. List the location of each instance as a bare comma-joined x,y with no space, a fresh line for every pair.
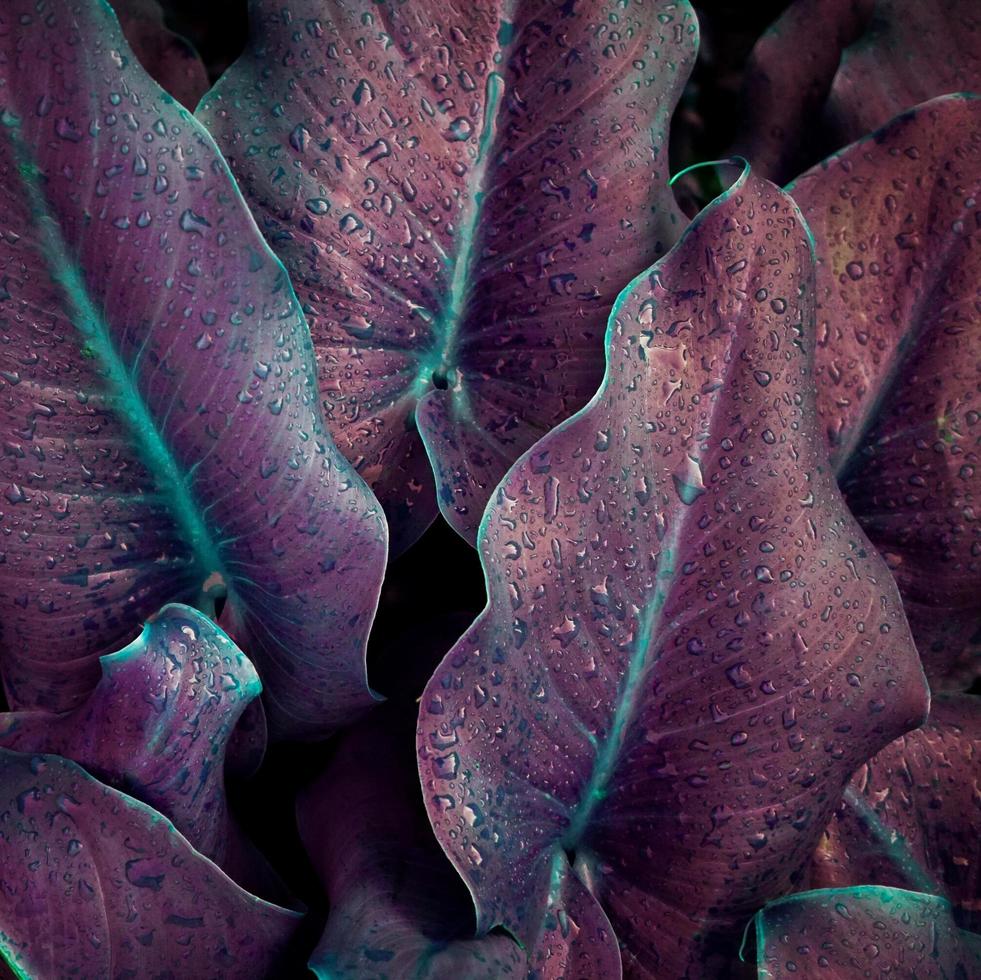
689,644
158,407
910,816
847,933
96,884
458,192
156,726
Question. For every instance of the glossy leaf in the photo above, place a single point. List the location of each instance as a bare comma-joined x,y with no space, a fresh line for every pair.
850,933
169,59
162,438
96,884
897,361
838,69
458,192
689,644
397,907
157,726
910,816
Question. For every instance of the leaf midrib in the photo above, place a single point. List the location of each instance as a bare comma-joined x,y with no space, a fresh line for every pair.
463,265
95,333
628,692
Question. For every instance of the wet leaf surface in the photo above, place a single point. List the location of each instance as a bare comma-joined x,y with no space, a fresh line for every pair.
96,884
910,816
898,241
157,726
162,434
459,191
690,645
845,933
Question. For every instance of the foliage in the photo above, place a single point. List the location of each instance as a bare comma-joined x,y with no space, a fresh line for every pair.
413,266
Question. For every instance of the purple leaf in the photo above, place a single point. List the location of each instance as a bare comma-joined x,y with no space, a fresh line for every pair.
458,194
850,933
897,360
893,55
910,816
168,58
788,78
909,53
162,440
96,884
397,907
156,726
689,644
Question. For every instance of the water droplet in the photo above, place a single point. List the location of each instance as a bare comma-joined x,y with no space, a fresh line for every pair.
15,494
378,150
739,675
689,484
350,224
551,499
445,767
66,130
567,631
364,93
193,223
458,130
299,137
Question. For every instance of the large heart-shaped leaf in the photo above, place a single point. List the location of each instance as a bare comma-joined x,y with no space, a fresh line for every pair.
830,71
161,433
898,360
689,644
170,59
851,933
397,908
458,192
157,726
910,817
96,884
